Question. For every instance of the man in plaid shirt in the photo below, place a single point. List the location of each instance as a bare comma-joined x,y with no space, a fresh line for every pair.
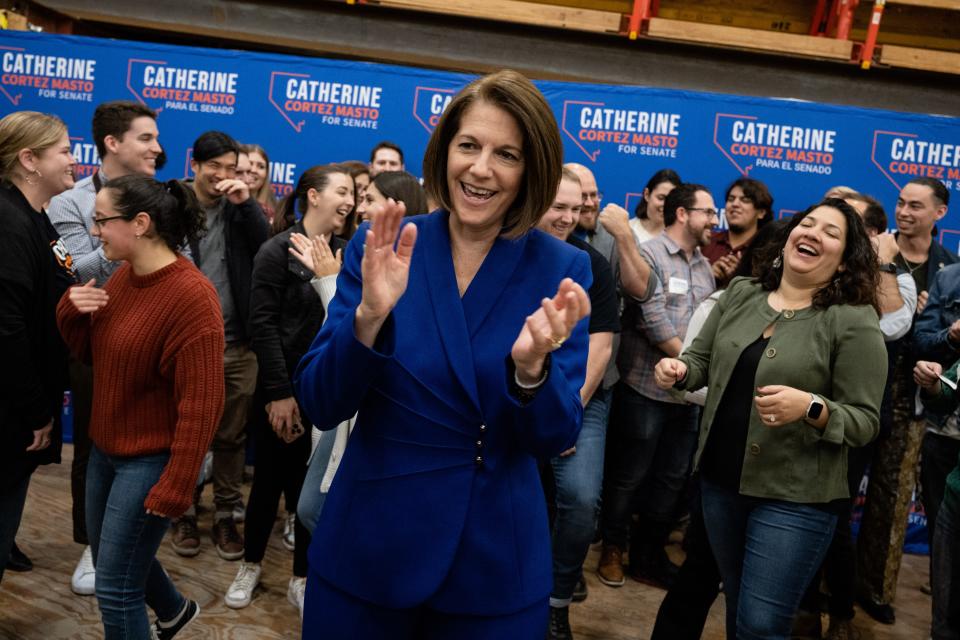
652,435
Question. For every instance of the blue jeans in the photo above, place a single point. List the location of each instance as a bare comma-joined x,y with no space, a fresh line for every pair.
648,443
945,575
578,479
311,499
124,541
11,510
767,552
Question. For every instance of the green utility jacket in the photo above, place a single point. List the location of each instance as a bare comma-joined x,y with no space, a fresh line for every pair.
837,353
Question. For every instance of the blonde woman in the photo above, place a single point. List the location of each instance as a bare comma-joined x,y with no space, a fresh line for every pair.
35,270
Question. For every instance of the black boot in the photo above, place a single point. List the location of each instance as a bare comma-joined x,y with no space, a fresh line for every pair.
652,565
559,628
18,560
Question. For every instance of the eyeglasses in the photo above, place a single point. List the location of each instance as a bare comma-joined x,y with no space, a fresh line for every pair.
711,213
99,222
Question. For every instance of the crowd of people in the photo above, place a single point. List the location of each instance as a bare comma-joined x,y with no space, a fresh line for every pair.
459,386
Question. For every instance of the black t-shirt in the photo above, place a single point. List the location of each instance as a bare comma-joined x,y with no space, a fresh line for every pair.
917,271
722,459
605,306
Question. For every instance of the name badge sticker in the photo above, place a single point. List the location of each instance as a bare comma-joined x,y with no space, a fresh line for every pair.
678,285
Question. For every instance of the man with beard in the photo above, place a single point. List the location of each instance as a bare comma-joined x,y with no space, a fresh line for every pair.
652,435
749,206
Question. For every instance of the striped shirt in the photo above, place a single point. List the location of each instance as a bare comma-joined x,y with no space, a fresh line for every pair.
682,284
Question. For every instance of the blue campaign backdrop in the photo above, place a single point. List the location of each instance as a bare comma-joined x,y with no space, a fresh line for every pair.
307,111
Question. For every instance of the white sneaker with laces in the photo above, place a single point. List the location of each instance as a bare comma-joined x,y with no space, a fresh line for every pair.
295,593
84,578
241,589
289,532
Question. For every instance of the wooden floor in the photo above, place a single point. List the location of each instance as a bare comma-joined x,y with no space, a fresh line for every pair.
40,606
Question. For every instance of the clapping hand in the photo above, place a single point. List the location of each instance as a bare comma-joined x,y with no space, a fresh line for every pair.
726,266
384,269
547,328
88,298
316,255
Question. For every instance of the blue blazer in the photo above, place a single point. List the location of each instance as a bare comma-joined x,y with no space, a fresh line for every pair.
437,500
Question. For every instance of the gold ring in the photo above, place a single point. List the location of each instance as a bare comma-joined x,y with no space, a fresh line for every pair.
557,342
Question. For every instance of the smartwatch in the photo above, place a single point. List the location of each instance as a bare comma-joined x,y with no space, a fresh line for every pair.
889,267
815,408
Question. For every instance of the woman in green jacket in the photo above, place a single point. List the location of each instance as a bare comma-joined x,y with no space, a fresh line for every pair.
795,365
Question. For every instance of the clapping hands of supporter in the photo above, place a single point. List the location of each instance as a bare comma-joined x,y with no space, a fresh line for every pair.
88,298
726,266
547,328
927,375
668,372
316,255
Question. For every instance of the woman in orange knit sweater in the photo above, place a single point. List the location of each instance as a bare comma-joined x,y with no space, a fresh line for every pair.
154,335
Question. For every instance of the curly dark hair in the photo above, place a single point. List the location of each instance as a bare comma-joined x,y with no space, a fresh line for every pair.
856,284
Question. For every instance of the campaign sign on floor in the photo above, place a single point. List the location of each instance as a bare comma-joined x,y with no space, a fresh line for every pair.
307,111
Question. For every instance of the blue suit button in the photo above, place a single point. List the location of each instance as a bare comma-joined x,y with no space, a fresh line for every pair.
479,460
483,428
479,444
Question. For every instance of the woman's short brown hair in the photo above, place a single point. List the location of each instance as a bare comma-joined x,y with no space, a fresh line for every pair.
542,147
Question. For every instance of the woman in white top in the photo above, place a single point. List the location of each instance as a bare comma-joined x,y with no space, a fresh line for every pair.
328,446
648,220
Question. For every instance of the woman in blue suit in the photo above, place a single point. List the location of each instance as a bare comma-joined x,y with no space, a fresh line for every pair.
464,359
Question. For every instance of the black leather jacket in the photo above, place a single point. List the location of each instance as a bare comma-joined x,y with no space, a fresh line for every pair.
285,313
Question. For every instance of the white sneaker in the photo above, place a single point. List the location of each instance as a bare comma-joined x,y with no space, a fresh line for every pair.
84,577
289,532
295,593
241,589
